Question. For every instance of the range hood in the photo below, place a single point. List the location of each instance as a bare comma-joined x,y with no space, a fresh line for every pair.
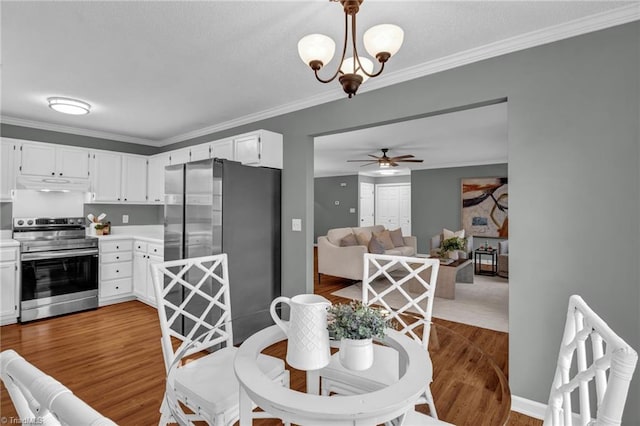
52,184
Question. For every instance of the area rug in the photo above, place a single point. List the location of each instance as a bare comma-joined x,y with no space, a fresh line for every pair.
483,303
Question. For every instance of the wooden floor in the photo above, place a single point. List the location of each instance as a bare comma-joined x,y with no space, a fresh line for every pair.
111,358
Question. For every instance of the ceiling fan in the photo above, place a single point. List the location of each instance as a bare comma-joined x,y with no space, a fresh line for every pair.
385,161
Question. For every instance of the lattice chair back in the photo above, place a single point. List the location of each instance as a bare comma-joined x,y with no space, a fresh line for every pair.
192,296
40,399
400,273
607,365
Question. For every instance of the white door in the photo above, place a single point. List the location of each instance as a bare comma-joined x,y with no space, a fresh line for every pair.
155,177
7,177
367,204
106,176
387,207
39,160
72,162
404,209
134,178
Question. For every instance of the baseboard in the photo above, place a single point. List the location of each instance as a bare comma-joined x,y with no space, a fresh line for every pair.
528,407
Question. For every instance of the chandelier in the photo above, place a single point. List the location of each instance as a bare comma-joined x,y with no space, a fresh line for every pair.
381,41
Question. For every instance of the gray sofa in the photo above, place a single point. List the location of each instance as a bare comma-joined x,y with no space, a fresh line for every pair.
348,262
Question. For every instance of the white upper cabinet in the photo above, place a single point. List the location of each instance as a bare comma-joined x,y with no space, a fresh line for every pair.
51,160
155,177
222,149
7,169
200,152
260,148
107,176
134,178
179,156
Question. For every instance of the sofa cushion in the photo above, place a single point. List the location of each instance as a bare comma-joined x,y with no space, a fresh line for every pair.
401,251
349,240
396,237
385,239
376,246
367,230
335,235
363,238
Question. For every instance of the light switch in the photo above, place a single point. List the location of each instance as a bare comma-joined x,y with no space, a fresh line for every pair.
296,224
125,218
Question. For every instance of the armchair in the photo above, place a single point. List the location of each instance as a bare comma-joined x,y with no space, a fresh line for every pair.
503,259
435,245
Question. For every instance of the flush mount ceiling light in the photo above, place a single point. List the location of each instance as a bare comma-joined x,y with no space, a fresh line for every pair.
69,106
381,41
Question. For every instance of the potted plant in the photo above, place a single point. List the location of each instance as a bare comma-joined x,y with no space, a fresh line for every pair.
355,325
450,246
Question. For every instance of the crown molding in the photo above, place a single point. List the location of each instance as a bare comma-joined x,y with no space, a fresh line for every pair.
600,21
614,17
75,130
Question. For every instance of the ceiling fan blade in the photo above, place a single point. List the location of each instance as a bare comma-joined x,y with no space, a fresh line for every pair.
393,164
368,164
352,161
401,157
373,156
410,161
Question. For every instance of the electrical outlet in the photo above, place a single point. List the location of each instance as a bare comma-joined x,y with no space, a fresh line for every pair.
296,225
125,218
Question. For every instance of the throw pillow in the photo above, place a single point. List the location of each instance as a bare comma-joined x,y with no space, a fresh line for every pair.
375,245
396,237
385,239
363,239
349,240
446,234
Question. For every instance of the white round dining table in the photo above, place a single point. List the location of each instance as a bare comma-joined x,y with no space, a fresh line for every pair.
310,409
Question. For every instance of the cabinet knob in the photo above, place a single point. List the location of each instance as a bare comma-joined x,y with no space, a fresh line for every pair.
118,198
117,271
125,199
117,257
117,247
60,174
117,288
53,173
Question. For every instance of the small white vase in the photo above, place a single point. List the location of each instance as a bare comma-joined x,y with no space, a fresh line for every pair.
453,255
356,355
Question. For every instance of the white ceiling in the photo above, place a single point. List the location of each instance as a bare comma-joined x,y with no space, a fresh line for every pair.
463,138
158,72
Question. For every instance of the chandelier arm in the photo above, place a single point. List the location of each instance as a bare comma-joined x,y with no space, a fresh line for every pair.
355,52
344,51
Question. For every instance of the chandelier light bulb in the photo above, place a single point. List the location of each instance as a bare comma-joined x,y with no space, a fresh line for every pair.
383,41
69,106
347,67
316,48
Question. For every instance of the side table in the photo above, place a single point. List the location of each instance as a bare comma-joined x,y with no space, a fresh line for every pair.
493,258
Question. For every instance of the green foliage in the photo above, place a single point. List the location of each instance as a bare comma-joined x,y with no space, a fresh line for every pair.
454,243
356,321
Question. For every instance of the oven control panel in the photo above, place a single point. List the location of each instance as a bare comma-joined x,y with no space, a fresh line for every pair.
30,222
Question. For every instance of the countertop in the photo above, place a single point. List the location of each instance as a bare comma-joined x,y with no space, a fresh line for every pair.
149,233
6,240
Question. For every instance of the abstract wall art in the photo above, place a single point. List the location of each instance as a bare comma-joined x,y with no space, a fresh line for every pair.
485,207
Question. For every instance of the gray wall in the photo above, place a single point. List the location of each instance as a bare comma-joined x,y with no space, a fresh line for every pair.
138,214
38,135
436,200
326,214
5,215
574,168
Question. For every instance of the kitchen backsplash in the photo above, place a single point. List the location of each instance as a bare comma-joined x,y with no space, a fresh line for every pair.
138,214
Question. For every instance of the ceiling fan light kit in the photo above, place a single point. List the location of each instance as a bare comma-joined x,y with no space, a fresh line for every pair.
380,41
384,162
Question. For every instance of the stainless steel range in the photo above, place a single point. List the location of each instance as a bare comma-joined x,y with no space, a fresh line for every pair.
59,266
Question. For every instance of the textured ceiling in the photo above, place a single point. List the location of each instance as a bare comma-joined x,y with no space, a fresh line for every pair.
158,72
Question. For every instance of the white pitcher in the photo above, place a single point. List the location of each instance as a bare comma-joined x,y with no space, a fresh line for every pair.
308,346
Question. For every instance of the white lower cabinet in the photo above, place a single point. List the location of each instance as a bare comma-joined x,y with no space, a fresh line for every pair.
9,279
145,254
116,271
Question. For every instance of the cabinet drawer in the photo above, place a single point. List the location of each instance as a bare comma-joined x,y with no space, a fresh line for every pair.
155,250
8,255
115,287
113,271
116,246
140,246
116,257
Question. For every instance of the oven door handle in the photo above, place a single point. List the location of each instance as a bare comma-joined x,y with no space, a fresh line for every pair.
59,254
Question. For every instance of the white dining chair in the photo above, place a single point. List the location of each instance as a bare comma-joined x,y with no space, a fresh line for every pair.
194,307
399,273
606,366
40,399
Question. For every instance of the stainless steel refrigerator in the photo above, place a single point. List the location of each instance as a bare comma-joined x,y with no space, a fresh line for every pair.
221,206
